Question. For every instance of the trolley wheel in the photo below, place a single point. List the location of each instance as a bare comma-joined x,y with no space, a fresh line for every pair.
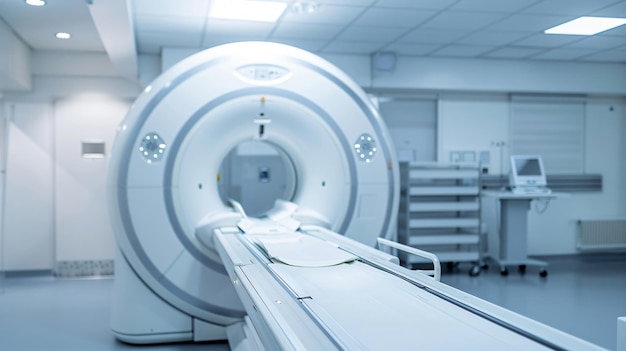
484,266
522,269
543,273
474,271
504,271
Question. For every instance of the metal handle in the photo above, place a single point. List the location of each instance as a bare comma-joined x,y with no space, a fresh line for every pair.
436,272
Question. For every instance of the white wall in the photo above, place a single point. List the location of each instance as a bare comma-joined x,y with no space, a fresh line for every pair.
475,122
412,124
3,140
15,71
473,115
468,118
508,76
82,225
85,100
28,216
554,232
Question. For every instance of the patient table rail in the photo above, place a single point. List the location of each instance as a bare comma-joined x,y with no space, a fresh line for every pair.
436,271
370,303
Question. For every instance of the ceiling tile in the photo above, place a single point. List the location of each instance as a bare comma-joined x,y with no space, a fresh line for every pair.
617,10
598,42
373,34
492,38
327,14
347,2
563,54
568,7
548,40
306,31
388,17
155,23
608,56
239,28
416,4
528,23
462,20
215,40
617,31
412,49
186,8
432,36
351,47
171,38
309,45
492,5
462,50
37,26
513,52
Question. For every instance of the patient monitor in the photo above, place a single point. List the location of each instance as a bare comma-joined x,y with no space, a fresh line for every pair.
527,175
192,266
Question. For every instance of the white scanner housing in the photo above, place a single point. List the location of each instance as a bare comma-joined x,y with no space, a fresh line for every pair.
165,164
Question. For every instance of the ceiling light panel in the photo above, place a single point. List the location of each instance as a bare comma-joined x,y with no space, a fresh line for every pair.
586,25
63,35
35,2
247,10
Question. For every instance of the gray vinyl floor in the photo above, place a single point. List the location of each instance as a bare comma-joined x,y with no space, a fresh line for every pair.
582,296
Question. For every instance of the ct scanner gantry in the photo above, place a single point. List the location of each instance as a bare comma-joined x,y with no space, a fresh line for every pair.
193,267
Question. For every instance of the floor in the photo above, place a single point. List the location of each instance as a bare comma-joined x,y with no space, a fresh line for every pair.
582,296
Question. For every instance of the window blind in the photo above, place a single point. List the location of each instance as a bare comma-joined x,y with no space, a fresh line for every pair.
553,130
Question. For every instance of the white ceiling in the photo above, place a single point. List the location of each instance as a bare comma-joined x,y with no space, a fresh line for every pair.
502,29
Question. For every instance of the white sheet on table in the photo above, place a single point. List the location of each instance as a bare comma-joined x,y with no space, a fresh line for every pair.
301,250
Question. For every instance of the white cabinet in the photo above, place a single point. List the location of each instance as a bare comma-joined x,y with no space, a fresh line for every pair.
440,212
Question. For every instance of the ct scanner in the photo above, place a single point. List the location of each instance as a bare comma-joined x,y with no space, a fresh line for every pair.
193,267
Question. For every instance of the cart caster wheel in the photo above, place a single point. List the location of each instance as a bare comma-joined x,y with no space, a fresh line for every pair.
484,266
474,271
504,272
522,269
543,273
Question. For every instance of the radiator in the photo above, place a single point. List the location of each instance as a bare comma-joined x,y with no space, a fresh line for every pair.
601,235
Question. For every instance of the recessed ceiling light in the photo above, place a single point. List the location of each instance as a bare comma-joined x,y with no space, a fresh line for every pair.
587,25
247,10
35,2
63,35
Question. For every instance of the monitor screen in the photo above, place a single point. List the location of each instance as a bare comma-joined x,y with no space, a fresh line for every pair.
527,171
527,167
